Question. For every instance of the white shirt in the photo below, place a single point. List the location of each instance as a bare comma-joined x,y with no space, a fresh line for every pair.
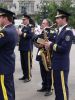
60,28
73,30
37,30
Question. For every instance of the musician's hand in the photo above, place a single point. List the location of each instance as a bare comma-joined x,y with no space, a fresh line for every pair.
47,45
40,45
19,32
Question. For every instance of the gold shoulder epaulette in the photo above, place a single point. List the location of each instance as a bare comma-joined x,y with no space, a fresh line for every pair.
1,34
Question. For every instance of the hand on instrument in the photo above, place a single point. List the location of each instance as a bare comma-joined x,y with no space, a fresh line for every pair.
47,45
40,45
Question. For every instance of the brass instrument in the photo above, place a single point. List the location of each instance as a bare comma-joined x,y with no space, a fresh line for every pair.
42,41
52,25
45,54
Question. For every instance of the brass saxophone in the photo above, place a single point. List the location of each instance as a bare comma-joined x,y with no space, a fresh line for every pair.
46,54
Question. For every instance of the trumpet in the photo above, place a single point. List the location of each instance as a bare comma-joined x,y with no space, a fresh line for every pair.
45,29
54,24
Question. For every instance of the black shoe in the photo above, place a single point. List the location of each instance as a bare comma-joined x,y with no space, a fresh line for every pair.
27,80
41,90
22,78
48,93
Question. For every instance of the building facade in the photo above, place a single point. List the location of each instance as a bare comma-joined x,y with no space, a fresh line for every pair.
26,6
30,6
7,2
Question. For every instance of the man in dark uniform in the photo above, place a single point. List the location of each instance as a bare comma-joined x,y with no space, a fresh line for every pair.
8,40
46,74
60,60
25,47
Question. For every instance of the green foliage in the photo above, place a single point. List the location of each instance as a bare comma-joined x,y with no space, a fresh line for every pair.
3,5
52,8
48,10
72,17
37,18
66,5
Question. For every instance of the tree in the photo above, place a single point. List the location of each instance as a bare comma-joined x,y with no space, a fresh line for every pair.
52,10
49,9
3,5
72,18
66,5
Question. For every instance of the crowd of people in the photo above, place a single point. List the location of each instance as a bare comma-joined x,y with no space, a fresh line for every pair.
54,44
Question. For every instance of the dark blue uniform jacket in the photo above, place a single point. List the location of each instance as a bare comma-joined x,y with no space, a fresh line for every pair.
8,40
60,59
25,43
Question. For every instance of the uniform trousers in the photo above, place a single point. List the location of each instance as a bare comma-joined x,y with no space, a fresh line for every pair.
7,91
61,84
26,63
46,77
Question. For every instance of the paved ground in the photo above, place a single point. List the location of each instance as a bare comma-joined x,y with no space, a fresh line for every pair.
27,91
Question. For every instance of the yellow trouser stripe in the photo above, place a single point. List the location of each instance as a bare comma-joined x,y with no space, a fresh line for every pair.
3,88
52,86
63,85
31,58
29,63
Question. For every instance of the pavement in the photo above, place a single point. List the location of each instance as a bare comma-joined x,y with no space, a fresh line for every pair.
28,91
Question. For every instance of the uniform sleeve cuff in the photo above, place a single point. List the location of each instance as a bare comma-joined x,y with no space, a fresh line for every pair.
54,47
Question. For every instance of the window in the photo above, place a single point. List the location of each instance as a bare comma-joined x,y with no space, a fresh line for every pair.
32,7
